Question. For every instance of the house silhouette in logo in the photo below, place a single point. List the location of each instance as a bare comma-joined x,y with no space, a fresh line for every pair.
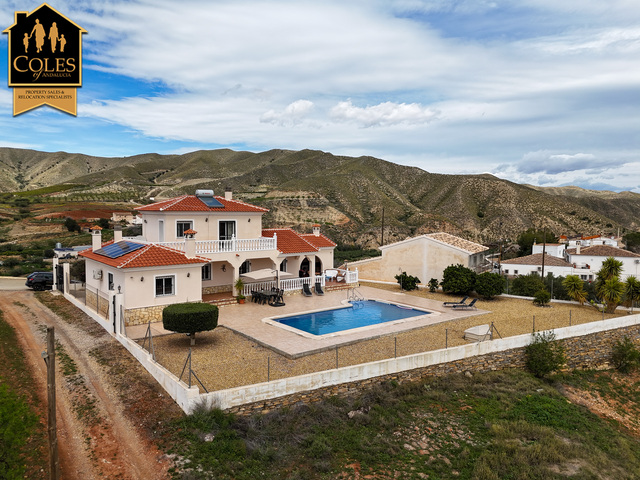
45,49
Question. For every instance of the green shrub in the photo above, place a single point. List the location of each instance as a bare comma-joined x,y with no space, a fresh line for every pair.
541,298
527,285
16,423
488,284
407,282
625,356
433,284
458,280
544,354
190,318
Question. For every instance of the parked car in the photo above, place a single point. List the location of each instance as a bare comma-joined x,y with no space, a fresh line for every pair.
40,280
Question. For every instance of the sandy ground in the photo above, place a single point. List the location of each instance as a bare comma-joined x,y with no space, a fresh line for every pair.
223,359
98,437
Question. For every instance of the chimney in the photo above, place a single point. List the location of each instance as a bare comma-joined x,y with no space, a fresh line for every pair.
316,229
190,243
117,233
228,194
96,238
578,249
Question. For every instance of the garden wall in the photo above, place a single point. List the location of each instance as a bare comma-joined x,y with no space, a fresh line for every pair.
586,346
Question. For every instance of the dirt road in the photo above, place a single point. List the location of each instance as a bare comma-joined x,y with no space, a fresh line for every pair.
108,409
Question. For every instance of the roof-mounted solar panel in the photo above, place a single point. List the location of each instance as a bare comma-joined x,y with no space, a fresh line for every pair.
206,197
119,249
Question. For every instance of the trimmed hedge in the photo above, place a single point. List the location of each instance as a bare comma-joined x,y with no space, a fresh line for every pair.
190,317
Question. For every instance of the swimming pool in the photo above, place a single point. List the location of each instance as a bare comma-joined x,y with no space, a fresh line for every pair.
358,314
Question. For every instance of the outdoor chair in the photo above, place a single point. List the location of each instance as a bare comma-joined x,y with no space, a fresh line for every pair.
306,291
461,302
318,289
465,306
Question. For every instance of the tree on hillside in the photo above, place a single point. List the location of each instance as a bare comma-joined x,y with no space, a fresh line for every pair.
488,284
528,238
71,225
575,288
632,241
458,279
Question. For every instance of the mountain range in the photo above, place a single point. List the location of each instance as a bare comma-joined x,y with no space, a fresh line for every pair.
350,196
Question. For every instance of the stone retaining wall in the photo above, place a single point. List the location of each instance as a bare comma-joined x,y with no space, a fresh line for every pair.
583,352
142,316
217,289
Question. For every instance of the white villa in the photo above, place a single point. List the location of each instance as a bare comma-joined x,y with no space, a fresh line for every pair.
195,245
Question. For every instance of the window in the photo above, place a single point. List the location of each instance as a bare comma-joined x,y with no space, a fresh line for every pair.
110,277
515,272
227,229
206,272
245,267
182,226
165,285
283,265
506,270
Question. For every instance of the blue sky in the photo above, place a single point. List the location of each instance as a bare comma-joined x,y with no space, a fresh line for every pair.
544,92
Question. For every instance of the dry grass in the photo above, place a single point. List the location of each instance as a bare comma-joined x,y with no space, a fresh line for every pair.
223,359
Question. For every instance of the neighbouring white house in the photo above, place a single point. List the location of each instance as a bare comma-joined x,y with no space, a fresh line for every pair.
425,257
194,245
589,241
533,264
582,261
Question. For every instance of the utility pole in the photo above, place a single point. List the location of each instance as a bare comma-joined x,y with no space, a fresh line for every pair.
500,255
544,248
49,357
382,234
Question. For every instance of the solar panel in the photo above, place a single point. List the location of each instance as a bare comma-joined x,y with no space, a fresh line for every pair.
119,249
210,202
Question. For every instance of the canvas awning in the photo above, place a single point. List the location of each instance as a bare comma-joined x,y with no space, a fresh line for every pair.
265,274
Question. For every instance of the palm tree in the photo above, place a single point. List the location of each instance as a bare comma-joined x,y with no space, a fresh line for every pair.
611,292
611,268
631,291
575,288
608,285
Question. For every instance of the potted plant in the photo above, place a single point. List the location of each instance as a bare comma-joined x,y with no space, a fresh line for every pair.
239,286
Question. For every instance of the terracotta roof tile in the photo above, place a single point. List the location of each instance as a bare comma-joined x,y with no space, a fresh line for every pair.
191,203
289,241
319,241
602,251
458,242
150,255
536,259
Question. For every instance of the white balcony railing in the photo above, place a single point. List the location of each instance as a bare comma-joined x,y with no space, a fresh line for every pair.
204,247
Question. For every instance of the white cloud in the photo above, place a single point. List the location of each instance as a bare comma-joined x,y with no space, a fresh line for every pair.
383,114
292,115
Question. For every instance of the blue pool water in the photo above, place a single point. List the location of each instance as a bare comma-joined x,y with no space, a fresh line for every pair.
359,314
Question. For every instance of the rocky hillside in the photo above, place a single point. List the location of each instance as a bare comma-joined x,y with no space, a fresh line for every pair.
346,194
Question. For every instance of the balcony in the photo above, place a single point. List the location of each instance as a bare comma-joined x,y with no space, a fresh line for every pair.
207,247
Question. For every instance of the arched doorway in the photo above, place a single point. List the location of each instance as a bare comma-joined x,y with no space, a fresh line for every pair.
304,268
318,269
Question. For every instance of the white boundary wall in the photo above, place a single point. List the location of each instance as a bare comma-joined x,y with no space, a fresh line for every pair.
189,397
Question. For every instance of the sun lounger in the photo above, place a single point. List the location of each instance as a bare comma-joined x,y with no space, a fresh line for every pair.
464,306
318,289
449,304
306,291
